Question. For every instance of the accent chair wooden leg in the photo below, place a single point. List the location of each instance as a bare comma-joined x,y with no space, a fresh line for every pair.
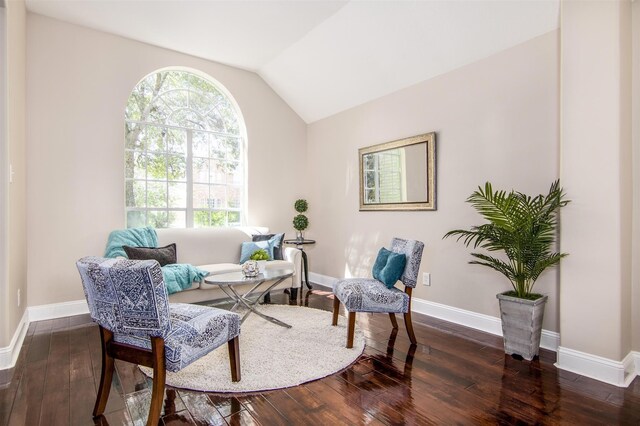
336,310
409,326
394,321
351,329
234,358
159,377
407,317
107,374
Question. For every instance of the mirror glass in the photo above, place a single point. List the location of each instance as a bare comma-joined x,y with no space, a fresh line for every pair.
398,175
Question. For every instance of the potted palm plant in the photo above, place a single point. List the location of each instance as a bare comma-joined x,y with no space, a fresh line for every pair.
523,228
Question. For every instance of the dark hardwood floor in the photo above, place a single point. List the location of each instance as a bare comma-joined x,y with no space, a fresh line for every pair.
453,376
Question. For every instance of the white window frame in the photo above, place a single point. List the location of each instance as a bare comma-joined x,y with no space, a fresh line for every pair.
189,210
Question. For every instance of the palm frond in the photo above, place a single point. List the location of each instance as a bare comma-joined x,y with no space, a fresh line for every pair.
523,227
494,263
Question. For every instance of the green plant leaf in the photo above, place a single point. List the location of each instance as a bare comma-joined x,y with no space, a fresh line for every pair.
522,227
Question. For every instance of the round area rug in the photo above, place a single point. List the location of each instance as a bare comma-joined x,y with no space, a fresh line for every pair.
274,357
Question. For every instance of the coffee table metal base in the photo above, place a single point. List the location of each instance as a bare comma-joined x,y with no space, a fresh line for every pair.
245,301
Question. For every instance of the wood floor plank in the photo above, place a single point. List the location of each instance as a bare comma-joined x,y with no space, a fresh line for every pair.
226,405
83,391
344,405
176,419
131,378
242,418
28,402
261,408
202,409
294,412
56,394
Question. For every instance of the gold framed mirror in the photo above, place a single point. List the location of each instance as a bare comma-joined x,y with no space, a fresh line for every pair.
399,175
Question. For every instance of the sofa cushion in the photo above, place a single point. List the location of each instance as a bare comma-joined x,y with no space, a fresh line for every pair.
279,264
220,268
203,246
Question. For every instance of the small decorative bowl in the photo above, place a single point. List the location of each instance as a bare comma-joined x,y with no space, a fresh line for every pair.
250,269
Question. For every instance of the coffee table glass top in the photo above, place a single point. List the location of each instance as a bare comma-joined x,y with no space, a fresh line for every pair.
249,300
236,277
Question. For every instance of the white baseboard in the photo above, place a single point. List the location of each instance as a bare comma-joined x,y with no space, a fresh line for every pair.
9,354
322,280
549,340
57,310
618,373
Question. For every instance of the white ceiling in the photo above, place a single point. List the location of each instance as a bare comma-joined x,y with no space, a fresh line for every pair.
322,57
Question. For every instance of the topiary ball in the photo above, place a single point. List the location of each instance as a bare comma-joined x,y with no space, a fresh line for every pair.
301,205
300,222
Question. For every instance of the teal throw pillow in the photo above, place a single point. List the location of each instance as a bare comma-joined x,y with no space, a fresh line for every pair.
381,262
249,247
392,267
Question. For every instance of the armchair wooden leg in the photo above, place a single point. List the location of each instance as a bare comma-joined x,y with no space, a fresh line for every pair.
336,310
234,358
409,326
159,376
394,322
407,318
107,374
351,329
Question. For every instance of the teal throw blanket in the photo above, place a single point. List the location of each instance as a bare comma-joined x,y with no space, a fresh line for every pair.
132,237
177,277
180,276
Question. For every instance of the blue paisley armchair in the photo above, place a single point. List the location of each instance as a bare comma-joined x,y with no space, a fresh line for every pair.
373,296
128,299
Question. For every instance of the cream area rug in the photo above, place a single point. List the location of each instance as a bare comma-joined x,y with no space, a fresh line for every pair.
274,357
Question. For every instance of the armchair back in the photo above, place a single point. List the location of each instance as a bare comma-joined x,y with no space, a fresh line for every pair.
126,296
413,250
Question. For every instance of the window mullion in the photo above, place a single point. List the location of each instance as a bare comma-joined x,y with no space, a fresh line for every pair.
189,215
166,171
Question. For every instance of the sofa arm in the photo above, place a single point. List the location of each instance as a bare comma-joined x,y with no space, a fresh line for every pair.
294,255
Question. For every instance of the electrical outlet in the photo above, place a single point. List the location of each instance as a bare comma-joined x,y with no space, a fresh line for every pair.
426,278
18,297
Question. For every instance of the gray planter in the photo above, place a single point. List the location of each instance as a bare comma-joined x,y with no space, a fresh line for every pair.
521,325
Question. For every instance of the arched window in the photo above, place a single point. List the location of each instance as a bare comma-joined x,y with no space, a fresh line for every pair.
184,153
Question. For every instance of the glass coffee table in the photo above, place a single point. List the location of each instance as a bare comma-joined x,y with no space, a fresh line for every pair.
228,282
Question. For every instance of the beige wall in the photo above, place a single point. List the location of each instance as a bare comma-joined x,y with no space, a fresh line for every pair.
15,225
78,82
496,120
4,189
596,171
635,295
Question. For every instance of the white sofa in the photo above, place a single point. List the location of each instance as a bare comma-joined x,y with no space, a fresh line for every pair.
217,250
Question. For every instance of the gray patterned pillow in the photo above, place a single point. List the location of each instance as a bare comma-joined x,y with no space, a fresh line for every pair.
164,255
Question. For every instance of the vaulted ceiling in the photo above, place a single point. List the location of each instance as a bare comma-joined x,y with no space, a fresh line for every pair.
321,57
